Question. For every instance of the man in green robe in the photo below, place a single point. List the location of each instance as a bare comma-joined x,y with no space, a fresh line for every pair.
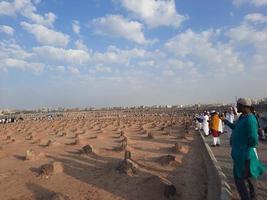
244,139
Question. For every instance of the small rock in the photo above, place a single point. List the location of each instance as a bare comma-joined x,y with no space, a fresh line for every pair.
127,167
87,149
121,133
167,160
184,149
177,147
49,169
29,137
150,135
127,155
45,142
123,145
46,170
30,155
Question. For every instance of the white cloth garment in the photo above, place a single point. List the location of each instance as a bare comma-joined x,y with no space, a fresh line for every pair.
220,128
205,124
229,117
216,140
255,150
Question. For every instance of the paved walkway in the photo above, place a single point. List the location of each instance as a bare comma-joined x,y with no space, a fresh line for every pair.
223,157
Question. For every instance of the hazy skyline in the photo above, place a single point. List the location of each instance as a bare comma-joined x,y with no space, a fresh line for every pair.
131,52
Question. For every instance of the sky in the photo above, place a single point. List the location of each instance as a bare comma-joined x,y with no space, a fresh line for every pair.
98,53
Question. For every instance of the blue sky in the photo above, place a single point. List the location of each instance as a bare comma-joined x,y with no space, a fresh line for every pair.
131,52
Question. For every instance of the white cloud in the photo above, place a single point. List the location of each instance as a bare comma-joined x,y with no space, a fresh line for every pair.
12,56
59,68
104,69
9,49
178,64
118,26
118,56
200,48
27,9
22,65
6,29
259,61
74,70
80,45
70,56
256,3
187,42
47,20
155,12
45,35
147,63
76,27
253,39
255,18
247,34
6,8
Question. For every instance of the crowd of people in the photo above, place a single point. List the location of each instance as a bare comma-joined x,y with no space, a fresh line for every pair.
212,123
5,120
243,128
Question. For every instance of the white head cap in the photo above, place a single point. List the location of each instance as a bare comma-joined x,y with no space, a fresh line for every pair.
244,101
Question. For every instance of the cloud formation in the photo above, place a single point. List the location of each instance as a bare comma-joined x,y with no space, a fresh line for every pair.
257,3
27,9
7,29
76,27
201,48
46,36
155,13
61,55
255,18
120,27
10,63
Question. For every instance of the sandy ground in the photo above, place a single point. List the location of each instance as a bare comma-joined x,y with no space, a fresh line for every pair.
95,175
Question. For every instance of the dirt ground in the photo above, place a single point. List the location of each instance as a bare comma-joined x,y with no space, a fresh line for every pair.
155,168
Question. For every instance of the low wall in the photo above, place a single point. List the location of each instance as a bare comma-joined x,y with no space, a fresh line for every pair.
218,188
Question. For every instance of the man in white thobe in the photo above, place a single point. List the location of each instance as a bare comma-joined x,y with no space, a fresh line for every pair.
205,124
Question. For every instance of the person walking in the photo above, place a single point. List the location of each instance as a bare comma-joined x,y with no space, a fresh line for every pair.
215,128
244,139
205,124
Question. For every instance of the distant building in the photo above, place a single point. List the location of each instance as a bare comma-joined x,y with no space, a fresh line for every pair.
43,109
262,101
7,112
